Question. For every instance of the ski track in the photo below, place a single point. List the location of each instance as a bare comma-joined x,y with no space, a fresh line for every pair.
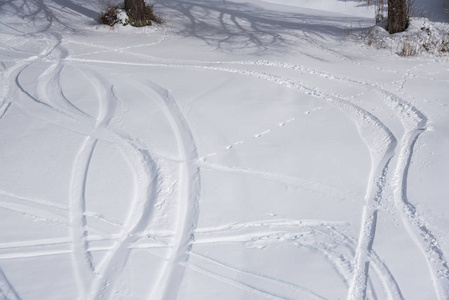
82,260
359,116
304,184
371,131
49,90
267,232
414,123
413,120
9,78
257,234
264,285
42,210
83,267
306,233
169,282
289,290
417,228
4,108
146,176
137,220
235,283
106,49
7,291
319,236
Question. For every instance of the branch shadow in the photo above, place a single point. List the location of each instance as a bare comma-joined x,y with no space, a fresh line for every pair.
230,26
43,14
434,10
91,14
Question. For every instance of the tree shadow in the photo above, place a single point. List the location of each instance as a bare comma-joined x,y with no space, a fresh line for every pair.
434,10
230,26
43,14
78,8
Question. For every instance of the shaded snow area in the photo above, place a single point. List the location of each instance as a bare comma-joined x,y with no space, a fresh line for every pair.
245,149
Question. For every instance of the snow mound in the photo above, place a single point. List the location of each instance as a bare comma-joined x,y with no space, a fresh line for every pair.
122,17
421,37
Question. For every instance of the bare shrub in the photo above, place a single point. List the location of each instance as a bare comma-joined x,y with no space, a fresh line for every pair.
109,12
372,40
444,47
152,16
380,9
407,50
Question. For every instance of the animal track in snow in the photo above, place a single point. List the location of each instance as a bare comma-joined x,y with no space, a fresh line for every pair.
255,136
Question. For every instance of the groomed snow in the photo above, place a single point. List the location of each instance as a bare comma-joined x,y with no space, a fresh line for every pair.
243,150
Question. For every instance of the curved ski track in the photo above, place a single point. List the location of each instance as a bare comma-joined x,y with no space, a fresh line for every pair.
406,113
7,291
188,207
352,263
50,105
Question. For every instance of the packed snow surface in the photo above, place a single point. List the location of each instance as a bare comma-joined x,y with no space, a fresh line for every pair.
245,149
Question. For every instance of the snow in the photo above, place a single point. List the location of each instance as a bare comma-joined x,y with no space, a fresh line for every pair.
243,150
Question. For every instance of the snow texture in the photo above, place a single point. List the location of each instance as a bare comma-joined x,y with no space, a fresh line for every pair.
242,150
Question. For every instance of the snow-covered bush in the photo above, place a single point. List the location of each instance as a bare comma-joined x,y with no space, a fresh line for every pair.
422,36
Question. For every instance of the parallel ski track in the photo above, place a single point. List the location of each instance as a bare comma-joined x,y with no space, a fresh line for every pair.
304,184
52,212
9,78
371,130
289,232
139,216
414,123
63,113
7,291
169,282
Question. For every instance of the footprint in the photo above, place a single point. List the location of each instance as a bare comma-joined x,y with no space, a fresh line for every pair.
262,133
204,158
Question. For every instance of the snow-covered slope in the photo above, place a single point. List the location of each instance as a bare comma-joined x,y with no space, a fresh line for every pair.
243,150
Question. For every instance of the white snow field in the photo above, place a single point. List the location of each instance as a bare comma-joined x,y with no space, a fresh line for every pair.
246,149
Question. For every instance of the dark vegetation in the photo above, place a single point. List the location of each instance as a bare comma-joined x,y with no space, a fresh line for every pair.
108,16
138,12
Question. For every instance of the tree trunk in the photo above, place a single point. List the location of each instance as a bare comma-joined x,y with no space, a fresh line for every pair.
136,13
397,16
